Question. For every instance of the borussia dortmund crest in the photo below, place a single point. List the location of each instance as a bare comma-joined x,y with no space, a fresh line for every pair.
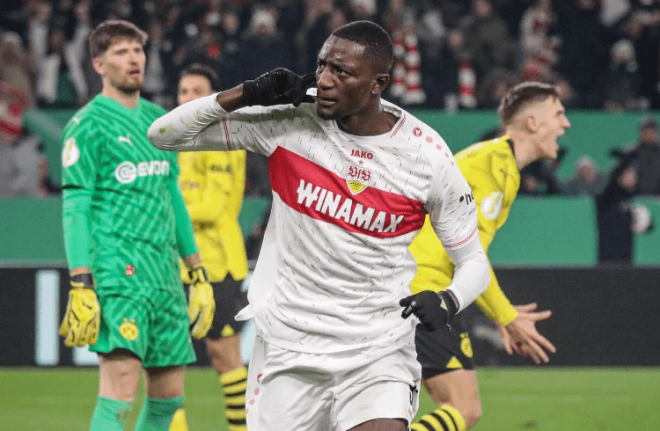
129,330
358,179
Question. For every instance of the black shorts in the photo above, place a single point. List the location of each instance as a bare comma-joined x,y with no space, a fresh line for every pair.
229,300
444,350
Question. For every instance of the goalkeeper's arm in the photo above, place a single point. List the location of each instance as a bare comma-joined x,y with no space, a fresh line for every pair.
80,325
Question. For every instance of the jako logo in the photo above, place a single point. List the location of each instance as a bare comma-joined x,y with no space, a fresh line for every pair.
127,172
362,154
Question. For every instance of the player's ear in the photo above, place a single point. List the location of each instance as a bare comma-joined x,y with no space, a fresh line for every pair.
97,64
531,123
380,83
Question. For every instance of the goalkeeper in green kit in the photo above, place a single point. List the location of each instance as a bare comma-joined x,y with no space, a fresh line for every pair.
125,225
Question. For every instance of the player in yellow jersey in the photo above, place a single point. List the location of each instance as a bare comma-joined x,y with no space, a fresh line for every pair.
212,184
533,117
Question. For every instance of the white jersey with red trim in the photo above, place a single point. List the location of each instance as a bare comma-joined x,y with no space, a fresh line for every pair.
345,209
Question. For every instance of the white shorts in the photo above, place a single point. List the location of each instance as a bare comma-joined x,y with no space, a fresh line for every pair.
289,390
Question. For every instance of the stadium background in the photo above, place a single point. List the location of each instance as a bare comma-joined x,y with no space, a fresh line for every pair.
605,324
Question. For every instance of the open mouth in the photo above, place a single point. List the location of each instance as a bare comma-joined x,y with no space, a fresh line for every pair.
324,101
134,73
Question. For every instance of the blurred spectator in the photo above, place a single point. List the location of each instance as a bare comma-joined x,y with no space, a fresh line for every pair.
45,187
158,68
16,67
623,81
39,15
615,236
643,28
587,180
60,79
264,47
539,178
538,41
19,156
230,27
406,85
584,49
647,158
488,44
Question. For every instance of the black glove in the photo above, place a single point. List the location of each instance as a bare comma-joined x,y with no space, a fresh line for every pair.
434,310
278,87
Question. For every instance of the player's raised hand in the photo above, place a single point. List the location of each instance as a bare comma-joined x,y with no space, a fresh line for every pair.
521,336
82,318
278,87
434,310
201,304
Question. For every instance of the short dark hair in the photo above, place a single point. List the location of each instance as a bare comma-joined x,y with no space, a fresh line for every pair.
205,71
521,95
377,43
106,33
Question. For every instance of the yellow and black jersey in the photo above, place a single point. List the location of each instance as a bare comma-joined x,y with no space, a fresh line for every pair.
212,184
492,172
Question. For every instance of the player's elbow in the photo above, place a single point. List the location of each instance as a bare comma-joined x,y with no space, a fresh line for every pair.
160,136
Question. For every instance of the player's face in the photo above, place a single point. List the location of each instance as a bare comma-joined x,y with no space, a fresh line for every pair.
122,65
552,122
193,87
345,79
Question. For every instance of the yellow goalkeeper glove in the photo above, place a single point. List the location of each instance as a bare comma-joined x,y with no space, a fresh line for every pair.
201,305
82,319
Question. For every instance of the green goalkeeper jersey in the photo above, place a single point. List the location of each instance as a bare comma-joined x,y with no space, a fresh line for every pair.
132,233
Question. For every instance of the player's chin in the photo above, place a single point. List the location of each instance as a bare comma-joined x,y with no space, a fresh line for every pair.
326,113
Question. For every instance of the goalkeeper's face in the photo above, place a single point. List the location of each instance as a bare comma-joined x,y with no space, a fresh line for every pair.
122,65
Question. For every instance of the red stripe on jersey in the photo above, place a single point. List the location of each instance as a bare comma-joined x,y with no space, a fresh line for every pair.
403,120
463,241
321,194
227,134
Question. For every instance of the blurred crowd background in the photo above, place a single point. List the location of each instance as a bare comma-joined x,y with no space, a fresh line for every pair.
453,54
450,55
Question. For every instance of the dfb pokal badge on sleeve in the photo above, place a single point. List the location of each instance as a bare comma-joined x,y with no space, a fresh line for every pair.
358,179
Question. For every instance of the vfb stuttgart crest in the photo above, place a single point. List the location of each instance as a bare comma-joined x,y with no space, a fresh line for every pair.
358,179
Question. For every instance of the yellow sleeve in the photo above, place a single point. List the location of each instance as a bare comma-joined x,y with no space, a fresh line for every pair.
493,206
219,170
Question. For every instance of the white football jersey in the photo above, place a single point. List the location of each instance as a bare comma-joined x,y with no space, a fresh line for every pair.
345,209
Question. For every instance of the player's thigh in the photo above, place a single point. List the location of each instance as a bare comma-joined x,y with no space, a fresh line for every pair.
169,333
458,388
164,382
382,425
119,375
125,320
229,300
225,353
385,388
294,399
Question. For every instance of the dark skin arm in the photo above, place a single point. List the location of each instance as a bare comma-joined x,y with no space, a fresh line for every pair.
231,99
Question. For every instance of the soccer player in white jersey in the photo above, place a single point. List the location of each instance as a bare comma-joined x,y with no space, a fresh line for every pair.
353,178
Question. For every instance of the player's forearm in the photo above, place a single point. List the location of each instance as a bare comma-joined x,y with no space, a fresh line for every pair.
76,205
193,126
472,272
494,303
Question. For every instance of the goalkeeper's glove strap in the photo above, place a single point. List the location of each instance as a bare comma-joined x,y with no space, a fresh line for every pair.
83,281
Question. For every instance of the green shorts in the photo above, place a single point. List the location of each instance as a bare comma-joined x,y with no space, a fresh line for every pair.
153,324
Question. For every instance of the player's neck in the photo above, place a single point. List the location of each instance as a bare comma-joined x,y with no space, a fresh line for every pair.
128,100
523,150
369,123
